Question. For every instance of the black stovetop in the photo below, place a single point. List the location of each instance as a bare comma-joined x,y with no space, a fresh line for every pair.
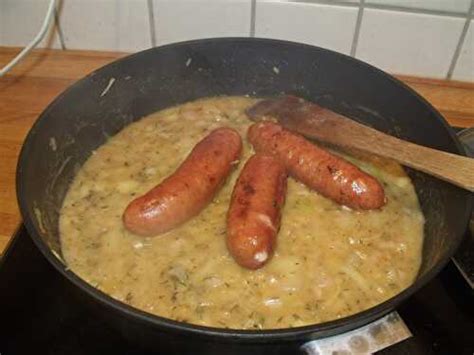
40,314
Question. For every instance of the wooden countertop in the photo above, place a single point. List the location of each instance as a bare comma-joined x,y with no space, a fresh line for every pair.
35,82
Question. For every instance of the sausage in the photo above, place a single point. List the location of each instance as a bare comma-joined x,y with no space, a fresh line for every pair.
189,189
253,218
330,175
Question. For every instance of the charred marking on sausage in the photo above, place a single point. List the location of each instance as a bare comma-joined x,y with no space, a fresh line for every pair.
248,189
331,169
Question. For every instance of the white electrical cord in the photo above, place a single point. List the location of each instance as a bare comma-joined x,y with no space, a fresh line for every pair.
35,41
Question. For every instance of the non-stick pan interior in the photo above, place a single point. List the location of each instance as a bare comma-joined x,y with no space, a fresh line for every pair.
100,105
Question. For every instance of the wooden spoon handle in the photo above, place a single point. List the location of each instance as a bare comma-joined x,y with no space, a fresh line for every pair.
327,126
456,169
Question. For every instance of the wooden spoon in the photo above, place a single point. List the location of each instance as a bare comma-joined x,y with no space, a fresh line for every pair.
314,121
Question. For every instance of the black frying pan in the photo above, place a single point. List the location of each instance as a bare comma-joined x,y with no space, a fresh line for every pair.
85,115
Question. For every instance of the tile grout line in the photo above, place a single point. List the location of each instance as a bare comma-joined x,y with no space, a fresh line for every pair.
327,2
151,22
462,38
416,10
253,12
355,39
57,24
386,7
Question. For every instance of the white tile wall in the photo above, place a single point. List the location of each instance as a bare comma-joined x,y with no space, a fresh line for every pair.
461,6
464,69
117,25
20,21
326,26
180,20
405,43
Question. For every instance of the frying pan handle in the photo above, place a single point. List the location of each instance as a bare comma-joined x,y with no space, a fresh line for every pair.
367,339
466,136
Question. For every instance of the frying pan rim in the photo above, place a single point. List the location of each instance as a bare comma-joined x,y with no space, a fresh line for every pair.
261,336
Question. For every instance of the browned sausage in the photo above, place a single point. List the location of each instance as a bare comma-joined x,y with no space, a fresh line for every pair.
189,189
253,219
320,170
